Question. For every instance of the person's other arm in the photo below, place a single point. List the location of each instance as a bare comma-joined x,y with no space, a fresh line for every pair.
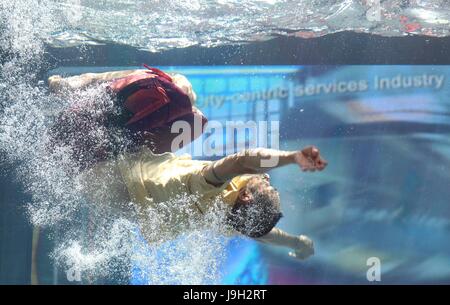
57,83
302,246
261,160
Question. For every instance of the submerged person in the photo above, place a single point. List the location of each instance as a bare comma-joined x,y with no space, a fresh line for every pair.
153,181
146,104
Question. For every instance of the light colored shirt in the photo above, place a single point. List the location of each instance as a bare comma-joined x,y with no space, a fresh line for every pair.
171,192
155,178
167,191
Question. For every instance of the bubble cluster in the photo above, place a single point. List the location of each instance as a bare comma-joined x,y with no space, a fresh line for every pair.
96,235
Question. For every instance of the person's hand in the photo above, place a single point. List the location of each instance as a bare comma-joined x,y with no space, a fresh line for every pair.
309,159
57,84
304,248
54,83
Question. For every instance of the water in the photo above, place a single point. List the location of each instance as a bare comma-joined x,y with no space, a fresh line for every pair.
157,25
93,241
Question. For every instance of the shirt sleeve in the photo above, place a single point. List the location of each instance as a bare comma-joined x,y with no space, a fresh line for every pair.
279,238
197,184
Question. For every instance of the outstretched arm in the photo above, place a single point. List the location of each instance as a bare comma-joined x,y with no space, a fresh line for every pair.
261,160
303,246
57,83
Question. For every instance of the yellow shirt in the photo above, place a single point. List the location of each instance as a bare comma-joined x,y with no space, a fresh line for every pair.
159,183
156,185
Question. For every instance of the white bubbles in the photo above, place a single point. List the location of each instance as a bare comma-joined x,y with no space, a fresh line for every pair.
193,256
26,26
73,11
156,25
93,256
96,234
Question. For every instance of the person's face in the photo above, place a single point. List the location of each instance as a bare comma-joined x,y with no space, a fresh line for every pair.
266,177
266,183
245,196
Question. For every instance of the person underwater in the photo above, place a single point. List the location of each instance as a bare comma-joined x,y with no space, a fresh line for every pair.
147,173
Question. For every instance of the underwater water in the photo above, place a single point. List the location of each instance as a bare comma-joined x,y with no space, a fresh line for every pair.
157,25
383,129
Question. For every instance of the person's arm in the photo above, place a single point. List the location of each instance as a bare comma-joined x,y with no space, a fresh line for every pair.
261,160
57,83
303,246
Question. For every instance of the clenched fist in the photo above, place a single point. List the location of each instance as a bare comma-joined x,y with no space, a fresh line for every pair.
309,159
304,248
